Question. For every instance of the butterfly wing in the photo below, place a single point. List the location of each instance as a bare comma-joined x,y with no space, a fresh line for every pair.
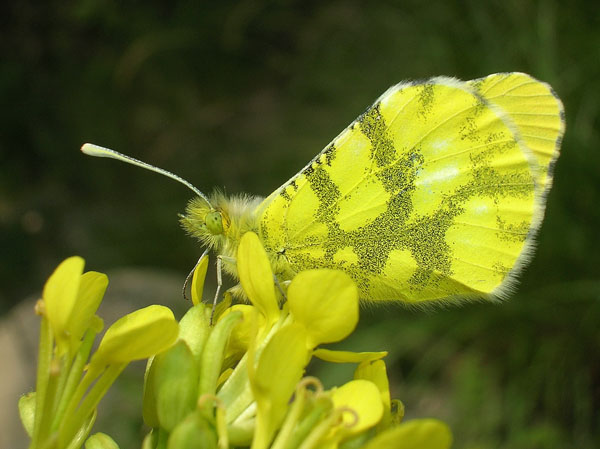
431,193
535,109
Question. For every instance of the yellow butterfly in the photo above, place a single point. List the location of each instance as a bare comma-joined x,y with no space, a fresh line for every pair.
435,192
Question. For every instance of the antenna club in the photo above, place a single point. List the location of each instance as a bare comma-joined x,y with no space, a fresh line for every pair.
95,150
88,148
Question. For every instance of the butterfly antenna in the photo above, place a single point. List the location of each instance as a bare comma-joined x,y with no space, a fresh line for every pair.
98,151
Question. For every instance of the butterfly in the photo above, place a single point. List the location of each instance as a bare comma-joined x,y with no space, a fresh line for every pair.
434,193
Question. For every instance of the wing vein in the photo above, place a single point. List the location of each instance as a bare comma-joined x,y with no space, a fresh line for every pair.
495,270
467,150
516,87
491,228
539,137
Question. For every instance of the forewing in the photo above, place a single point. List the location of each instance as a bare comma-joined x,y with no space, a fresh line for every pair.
429,194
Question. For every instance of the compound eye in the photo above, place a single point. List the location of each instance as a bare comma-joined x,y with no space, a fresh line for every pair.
214,222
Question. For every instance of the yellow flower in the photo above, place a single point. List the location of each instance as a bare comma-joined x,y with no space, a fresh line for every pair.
322,307
70,301
250,363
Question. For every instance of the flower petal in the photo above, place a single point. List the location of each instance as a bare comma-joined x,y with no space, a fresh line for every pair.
256,276
375,372
137,335
198,280
326,303
92,286
330,355
60,296
363,397
243,331
279,369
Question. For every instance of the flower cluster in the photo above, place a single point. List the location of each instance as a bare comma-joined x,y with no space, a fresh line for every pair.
240,382
62,410
229,377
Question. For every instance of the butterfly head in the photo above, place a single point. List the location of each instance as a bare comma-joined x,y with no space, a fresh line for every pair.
214,222
204,221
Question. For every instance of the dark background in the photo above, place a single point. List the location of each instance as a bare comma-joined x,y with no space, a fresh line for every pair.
240,95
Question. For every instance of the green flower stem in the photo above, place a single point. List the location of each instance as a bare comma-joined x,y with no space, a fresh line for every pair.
74,377
162,439
88,405
212,356
89,377
236,393
82,433
66,363
240,433
223,437
284,435
307,424
56,367
319,432
43,370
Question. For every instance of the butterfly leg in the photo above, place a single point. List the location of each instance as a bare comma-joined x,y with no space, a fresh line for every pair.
220,260
280,288
191,274
219,285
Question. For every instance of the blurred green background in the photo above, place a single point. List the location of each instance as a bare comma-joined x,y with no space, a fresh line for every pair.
240,95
